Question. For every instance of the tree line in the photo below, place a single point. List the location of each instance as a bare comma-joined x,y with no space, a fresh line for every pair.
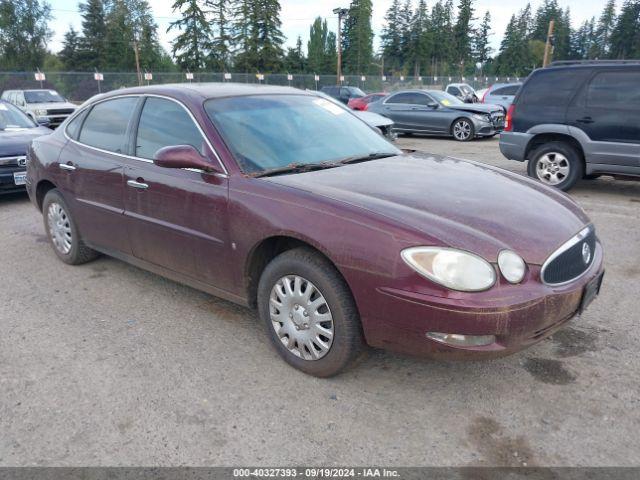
420,37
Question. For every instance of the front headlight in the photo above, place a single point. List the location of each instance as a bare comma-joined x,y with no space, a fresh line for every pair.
482,118
40,112
454,269
512,266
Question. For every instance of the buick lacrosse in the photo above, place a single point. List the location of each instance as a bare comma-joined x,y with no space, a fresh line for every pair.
280,200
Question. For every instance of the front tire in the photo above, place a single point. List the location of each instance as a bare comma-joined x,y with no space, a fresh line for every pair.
62,231
309,313
463,130
556,164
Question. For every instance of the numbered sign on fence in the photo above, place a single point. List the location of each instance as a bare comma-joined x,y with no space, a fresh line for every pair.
148,76
342,78
402,79
419,79
98,77
189,75
363,78
227,76
40,77
384,78
435,79
317,78
289,77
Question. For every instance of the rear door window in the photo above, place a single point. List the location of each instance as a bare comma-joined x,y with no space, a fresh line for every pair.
402,98
615,89
506,91
454,91
165,123
106,124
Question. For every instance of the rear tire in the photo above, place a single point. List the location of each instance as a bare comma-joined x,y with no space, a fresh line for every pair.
556,164
320,335
62,231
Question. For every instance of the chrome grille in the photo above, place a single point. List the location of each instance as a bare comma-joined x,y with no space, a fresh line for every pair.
571,260
15,161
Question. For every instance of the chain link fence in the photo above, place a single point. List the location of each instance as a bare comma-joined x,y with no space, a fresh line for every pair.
79,86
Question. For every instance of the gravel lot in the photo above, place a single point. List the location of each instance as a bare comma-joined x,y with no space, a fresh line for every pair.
105,364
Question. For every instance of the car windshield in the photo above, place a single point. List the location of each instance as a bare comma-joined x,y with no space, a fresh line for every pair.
446,99
11,117
267,132
42,96
466,89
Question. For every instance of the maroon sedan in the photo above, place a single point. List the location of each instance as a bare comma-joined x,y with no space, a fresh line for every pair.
280,200
362,103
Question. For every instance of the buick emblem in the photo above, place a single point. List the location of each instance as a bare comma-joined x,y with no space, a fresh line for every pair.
586,253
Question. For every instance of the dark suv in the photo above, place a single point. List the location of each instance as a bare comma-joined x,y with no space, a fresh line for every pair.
343,94
577,120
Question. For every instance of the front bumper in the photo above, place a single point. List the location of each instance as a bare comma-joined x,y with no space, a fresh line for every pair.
400,319
7,182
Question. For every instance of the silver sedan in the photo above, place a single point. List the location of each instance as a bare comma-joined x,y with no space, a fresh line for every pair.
434,112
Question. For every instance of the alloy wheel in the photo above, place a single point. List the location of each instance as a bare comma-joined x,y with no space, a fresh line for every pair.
462,130
553,168
59,228
301,317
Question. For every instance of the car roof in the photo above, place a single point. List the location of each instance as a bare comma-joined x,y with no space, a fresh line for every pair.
500,85
206,90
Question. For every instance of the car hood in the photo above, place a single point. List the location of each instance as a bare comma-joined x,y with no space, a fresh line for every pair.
16,142
373,119
477,108
52,106
459,203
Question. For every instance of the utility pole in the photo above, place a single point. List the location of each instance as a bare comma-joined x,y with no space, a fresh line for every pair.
135,49
341,12
548,48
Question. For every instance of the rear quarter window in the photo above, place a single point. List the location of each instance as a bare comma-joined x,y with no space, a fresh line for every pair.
552,88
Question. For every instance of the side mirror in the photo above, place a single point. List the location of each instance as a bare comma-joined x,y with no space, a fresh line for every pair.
182,156
433,105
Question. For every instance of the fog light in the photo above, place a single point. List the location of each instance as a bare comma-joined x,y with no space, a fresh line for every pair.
458,340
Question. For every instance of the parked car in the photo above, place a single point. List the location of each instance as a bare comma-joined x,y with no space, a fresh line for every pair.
45,107
362,103
501,94
343,94
433,112
463,91
382,124
576,120
16,132
274,198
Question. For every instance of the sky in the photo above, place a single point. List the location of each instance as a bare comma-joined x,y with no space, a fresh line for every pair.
297,16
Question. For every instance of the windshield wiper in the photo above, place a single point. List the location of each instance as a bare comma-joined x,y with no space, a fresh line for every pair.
295,168
365,158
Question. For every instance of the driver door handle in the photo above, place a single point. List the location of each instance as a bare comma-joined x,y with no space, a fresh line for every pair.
140,185
585,120
67,166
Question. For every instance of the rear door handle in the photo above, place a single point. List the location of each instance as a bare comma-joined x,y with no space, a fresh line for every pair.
67,166
140,185
585,120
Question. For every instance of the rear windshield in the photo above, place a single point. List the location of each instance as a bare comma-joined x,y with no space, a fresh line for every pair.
42,96
552,88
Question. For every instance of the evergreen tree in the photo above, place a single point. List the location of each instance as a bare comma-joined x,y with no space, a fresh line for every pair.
406,35
69,55
220,55
606,23
481,46
294,61
463,33
331,59
258,36
625,37
191,46
391,38
357,43
24,33
244,28
92,44
442,33
420,49
317,46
